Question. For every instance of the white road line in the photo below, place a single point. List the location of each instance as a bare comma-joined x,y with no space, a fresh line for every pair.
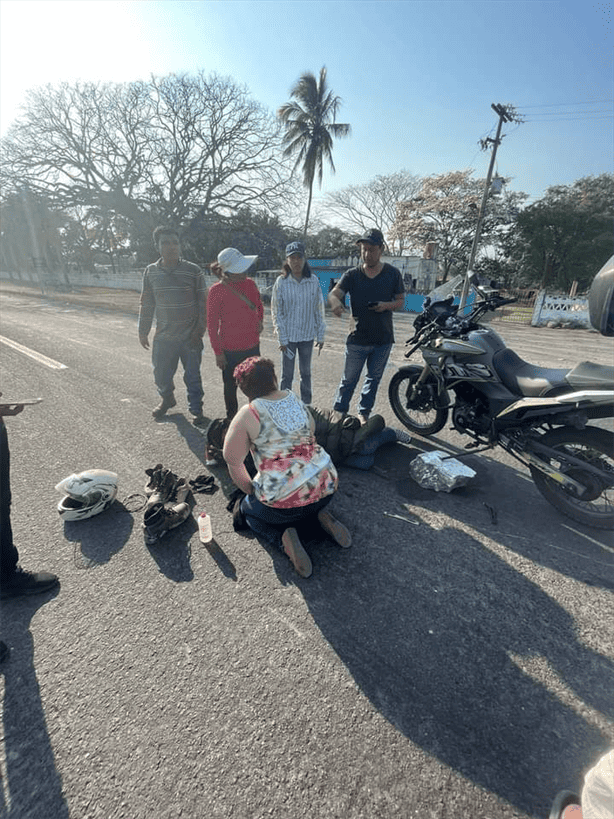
592,540
42,359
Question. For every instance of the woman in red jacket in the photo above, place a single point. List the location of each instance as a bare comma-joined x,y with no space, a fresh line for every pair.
234,318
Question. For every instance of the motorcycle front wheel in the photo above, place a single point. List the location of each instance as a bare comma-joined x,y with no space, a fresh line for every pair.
595,446
419,414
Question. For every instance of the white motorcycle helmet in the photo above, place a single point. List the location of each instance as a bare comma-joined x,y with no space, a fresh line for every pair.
87,494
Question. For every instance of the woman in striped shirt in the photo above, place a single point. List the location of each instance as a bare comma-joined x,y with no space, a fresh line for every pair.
297,309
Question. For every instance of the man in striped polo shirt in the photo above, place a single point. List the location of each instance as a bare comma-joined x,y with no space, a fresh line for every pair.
174,290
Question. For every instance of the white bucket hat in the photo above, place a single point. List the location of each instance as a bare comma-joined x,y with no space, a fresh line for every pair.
233,261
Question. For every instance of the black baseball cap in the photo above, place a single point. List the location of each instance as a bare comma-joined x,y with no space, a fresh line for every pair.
295,247
373,237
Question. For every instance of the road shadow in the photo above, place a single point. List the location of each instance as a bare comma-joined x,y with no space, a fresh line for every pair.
193,436
224,563
438,632
504,504
172,553
311,535
33,785
196,439
97,539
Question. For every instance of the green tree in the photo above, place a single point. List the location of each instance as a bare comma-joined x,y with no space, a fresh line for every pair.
252,232
96,234
566,235
30,233
310,125
331,243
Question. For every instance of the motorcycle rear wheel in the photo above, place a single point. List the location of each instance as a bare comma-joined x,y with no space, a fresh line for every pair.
420,415
595,446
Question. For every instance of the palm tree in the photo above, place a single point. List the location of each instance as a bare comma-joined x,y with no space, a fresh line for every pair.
310,124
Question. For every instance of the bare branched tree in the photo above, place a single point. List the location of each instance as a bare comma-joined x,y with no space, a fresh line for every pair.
374,204
171,149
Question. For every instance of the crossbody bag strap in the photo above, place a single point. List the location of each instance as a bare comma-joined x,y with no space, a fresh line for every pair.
242,296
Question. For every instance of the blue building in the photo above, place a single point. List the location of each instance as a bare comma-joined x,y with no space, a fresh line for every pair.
418,274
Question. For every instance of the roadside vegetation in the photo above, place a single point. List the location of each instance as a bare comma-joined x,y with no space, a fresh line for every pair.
89,169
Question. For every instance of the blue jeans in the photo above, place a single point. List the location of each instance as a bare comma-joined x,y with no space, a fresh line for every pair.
269,522
304,350
365,457
376,358
165,356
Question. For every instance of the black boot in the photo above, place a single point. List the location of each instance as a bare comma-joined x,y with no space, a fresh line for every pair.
167,402
160,519
154,476
163,484
20,583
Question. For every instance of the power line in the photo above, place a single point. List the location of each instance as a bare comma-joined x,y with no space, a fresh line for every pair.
573,113
558,104
570,119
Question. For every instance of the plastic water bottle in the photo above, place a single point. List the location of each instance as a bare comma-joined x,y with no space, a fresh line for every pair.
204,528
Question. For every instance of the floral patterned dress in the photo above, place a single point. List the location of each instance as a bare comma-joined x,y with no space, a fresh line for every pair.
293,470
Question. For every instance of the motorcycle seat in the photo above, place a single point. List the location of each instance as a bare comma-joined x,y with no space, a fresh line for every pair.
526,379
587,375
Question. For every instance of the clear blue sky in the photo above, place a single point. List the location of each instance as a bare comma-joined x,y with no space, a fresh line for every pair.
417,77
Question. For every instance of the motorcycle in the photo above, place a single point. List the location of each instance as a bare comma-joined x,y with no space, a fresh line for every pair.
538,415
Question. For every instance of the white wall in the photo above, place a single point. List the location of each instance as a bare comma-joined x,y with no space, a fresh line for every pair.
560,310
128,280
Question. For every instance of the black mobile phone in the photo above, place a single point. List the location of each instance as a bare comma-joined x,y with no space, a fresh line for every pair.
373,304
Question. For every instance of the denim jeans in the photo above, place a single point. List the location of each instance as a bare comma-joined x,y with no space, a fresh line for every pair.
165,356
269,522
304,350
356,355
365,457
234,357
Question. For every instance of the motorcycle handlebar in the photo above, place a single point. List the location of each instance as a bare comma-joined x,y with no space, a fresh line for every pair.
494,301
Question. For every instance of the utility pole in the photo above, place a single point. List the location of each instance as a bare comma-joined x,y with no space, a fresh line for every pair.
506,113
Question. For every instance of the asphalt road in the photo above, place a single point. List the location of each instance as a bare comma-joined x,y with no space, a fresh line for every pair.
459,664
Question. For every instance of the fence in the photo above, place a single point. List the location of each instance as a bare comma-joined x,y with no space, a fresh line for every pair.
561,311
522,311
541,309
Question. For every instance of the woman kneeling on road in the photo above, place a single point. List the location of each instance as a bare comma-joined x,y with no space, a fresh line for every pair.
296,478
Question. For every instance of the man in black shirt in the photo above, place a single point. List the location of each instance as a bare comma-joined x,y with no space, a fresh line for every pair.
376,289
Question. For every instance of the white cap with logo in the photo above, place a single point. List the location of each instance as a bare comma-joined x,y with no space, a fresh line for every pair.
233,261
